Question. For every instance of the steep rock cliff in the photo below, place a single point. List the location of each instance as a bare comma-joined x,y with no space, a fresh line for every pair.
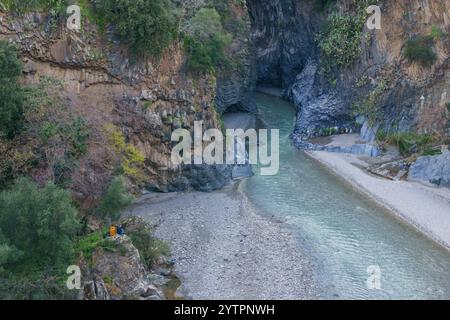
145,100
405,95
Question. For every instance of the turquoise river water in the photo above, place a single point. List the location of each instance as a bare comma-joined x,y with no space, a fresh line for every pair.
341,230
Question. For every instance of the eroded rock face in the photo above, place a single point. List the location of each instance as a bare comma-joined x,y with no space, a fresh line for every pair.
432,169
119,274
204,178
236,86
283,37
414,97
146,100
117,271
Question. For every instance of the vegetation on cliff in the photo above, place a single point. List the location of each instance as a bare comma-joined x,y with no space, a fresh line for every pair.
43,229
340,40
341,35
420,49
206,41
12,98
148,26
37,230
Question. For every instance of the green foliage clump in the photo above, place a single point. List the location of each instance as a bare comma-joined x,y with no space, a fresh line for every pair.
437,33
148,26
150,249
131,162
408,143
340,40
115,200
51,136
22,6
231,22
12,97
421,50
206,42
38,226
448,106
87,244
369,106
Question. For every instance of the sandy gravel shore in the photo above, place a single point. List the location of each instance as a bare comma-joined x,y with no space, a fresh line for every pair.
426,208
224,250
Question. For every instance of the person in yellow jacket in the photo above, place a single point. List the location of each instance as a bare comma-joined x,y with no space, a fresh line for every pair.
112,231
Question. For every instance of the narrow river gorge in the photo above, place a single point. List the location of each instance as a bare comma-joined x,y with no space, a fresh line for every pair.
342,231
112,122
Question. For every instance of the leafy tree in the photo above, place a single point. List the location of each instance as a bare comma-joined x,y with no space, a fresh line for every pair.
206,42
8,254
147,25
38,224
115,200
11,94
205,24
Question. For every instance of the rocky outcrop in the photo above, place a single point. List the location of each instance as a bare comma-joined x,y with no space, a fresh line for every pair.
118,274
145,99
116,271
413,96
432,169
283,36
204,178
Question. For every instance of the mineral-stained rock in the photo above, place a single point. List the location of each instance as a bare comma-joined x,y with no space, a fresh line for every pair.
432,169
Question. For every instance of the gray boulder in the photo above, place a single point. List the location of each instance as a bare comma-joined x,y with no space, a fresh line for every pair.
205,178
432,169
368,132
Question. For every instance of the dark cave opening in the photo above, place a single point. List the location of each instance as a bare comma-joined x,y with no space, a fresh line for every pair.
283,36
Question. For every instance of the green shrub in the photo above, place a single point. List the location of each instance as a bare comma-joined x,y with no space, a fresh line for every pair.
230,21
150,249
148,26
37,285
369,106
22,6
90,242
12,97
408,143
437,33
38,225
420,49
78,133
340,40
206,42
448,106
131,162
115,200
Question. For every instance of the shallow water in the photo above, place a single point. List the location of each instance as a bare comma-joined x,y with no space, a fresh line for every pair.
341,230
